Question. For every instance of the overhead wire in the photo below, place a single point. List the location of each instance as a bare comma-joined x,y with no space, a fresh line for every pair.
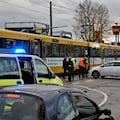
62,6
36,11
18,6
42,13
73,1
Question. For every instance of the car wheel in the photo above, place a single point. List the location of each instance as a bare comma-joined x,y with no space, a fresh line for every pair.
96,74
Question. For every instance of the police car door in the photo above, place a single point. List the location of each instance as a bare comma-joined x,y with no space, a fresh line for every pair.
27,69
43,73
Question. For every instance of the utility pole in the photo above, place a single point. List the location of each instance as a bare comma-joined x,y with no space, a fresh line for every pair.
51,32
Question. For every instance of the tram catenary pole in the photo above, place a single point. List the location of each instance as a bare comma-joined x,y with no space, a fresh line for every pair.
51,32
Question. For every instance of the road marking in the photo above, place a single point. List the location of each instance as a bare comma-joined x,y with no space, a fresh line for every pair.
78,82
89,80
103,93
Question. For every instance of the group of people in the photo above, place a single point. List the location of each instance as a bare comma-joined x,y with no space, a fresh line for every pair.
69,64
83,67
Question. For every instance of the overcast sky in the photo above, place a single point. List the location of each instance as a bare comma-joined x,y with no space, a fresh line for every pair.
38,11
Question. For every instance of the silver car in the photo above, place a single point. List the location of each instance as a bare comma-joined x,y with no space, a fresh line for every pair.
111,68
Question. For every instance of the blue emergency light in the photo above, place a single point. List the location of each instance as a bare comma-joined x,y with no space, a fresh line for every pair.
20,51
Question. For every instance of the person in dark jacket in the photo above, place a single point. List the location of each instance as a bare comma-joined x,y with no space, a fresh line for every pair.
70,69
86,67
65,61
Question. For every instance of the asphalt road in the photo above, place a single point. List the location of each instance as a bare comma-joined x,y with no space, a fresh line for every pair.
107,86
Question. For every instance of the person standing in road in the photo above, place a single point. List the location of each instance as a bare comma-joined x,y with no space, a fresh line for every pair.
65,62
74,61
86,67
74,64
70,69
82,64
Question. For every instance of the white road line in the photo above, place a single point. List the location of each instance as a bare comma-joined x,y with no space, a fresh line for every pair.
104,94
89,80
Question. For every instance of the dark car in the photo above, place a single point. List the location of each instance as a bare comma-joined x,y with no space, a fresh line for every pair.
47,102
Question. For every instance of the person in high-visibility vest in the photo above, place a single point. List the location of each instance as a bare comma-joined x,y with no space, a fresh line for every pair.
74,64
82,64
74,61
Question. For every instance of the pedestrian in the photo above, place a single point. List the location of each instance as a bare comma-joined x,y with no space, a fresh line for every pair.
81,64
86,68
70,69
65,61
74,64
74,61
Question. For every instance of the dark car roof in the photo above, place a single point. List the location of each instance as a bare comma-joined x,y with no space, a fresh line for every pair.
39,90
49,94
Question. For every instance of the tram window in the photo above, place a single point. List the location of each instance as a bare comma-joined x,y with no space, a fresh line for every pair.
9,43
107,53
102,53
95,52
44,50
115,52
111,53
72,51
118,52
6,43
35,48
62,50
67,50
76,51
92,52
55,50
82,51
47,49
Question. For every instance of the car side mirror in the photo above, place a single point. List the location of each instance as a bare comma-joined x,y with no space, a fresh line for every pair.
106,112
51,75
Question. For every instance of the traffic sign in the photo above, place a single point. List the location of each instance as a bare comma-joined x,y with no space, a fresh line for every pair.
116,30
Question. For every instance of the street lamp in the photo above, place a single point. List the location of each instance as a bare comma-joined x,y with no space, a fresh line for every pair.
51,33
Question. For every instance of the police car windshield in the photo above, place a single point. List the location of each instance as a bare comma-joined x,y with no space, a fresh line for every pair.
21,107
8,68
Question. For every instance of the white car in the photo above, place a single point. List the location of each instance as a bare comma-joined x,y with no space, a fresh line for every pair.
111,68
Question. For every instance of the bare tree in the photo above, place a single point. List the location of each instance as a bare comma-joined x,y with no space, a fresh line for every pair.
89,14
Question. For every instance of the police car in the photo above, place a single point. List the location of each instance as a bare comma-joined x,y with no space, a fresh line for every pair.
25,69
48,102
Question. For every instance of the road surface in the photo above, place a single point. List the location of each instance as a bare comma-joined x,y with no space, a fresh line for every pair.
108,86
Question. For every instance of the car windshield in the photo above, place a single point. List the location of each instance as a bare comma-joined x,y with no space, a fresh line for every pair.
8,68
21,107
